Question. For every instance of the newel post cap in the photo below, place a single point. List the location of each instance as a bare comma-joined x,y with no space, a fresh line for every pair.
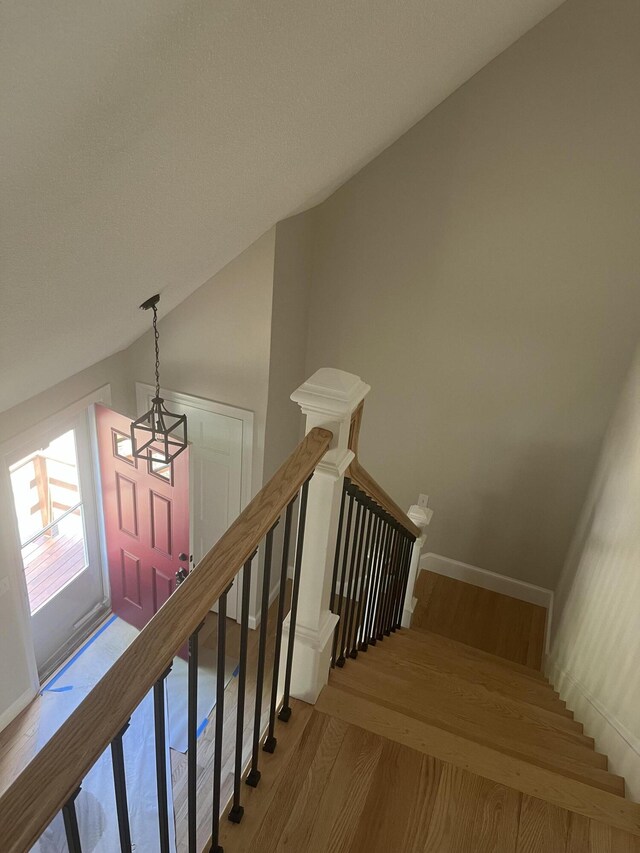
421,516
331,392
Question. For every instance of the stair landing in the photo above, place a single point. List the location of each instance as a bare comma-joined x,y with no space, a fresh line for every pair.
505,626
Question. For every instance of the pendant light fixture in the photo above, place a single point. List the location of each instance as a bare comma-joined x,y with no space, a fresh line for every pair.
159,435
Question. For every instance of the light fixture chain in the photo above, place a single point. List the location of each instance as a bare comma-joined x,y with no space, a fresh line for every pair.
157,338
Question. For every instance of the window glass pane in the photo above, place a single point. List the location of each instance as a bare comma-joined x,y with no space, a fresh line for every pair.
46,494
122,447
45,485
161,469
52,559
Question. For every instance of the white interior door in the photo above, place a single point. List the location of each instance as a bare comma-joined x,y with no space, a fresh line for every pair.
55,535
220,439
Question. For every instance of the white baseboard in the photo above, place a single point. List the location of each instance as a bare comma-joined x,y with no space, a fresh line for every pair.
612,737
14,709
503,584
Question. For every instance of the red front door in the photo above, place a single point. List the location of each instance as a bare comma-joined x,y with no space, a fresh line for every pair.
146,515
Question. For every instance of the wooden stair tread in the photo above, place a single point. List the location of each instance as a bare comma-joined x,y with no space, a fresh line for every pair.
431,646
427,660
599,802
431,679
447,644
517,739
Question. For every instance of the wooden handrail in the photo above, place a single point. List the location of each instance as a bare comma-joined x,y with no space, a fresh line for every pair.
47,782
365,481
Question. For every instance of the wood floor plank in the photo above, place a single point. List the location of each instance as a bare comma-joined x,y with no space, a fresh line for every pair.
275,819
336,791
608,839
349,812
399,805
469,807
543,827
578,834
298,829
258,801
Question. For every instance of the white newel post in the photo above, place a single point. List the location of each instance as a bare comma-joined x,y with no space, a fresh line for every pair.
328,399
421,516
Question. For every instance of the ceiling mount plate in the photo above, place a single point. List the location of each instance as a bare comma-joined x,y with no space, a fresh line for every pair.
151,302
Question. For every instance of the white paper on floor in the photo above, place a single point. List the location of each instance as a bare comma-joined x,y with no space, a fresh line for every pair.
95,805
177,690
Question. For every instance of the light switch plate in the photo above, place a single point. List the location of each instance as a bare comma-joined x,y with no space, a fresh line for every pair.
423,501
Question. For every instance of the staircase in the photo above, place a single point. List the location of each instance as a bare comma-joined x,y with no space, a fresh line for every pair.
426,681
425,743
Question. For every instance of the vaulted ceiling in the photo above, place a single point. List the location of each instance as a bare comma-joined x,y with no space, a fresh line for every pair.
145,144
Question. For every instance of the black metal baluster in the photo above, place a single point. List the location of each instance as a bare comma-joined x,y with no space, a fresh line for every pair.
360,636
343,575
406,559
397,617
393,577
236,811
254,774
217,760
393,619
349,591
192,738
375,571
285,711
352,630
398,584
70,819
379,578
336,559
120,786
384,578
161,760
271,740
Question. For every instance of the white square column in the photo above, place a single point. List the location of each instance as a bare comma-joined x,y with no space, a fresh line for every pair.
328,399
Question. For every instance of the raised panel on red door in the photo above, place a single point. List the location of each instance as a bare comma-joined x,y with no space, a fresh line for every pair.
146,515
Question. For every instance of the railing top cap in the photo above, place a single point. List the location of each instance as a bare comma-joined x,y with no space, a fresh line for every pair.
331,390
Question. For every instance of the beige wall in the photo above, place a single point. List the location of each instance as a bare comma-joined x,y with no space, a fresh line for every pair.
596,645
289,331
482,275
216,343
15,680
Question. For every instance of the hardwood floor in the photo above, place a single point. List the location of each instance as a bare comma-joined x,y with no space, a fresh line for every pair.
343,788
495,623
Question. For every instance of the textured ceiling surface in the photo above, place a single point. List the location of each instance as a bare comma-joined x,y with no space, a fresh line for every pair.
145,144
